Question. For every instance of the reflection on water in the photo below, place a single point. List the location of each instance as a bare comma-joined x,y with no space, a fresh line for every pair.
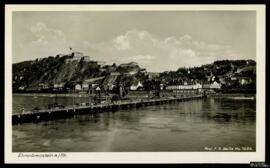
183,126
30,101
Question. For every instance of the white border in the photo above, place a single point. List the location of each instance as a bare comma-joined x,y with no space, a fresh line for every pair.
143,157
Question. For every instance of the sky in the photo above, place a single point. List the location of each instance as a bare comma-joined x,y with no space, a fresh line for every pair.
157,40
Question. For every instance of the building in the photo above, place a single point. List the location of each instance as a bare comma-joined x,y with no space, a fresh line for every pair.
143,71
91,83
59,55
133,72
136,85
21,88
211,86
78,87
185,86
85,86
244,80
198,86
77,54
152,75
115,73
43,86
58,85
92,88
101,63
206,85
129,64
215,85
86,58
162,86
233,78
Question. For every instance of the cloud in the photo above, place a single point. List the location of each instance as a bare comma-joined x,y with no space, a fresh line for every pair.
142,59
45,35
158,54
121,42
42,41
149,50
170,53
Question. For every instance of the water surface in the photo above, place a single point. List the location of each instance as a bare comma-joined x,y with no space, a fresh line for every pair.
181,126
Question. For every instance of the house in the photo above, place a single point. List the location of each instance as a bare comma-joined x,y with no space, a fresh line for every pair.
206,85
58,85
92,88
198,86
244,80
78,87
162,86
215,85
85,86
233,78
136,85
171,87
43,86
185,86
98,89
211,86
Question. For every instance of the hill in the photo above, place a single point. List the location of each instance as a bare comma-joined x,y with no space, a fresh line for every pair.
63,70
68,70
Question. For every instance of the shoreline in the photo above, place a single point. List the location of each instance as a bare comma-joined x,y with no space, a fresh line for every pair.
86,95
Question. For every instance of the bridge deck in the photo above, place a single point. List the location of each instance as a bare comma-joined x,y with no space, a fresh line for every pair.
51,114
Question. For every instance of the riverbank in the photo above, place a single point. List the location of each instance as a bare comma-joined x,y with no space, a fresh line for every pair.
52,94
224,95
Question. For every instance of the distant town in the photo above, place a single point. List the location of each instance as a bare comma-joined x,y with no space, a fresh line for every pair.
77,73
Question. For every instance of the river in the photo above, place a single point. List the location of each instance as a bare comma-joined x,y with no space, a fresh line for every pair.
196,125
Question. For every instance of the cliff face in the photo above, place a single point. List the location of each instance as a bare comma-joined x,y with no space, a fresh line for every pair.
52,70
65,69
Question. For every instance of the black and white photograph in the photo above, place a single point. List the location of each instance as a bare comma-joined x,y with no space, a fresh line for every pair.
135,80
